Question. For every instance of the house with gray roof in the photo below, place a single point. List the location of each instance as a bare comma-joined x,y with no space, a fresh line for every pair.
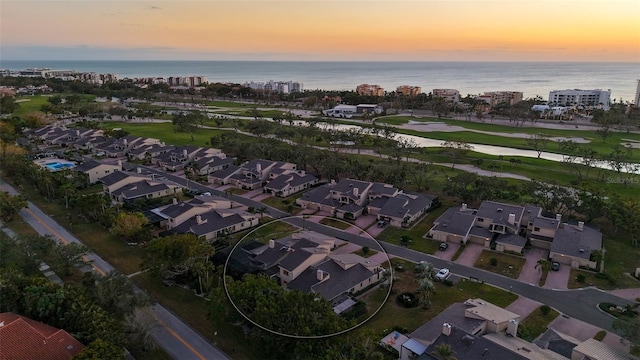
289,182
574,245
345,200
506,227
177,212
403,208
212,163
95,170
117,179
215,223
475,329
144,189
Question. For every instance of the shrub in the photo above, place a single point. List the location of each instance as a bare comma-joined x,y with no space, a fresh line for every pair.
251,209
602,275
365,250
580,278
407,299
600,335
447,282
545,309
493,261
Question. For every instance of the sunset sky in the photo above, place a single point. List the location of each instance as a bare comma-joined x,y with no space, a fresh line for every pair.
420,30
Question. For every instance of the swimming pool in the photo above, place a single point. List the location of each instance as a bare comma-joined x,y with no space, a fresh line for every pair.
55,165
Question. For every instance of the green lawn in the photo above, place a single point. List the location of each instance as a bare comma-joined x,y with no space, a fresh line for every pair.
393,315
165,132
282,204
536,323
338,224
34,104
507,265
393,234
620,258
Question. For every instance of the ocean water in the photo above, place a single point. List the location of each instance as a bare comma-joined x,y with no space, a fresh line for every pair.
533,79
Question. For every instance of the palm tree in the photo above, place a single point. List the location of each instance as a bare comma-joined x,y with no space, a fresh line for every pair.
425,278
444,352
543,265
262,210
405,240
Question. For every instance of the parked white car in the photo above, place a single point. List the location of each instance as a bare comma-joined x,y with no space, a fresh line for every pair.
443,274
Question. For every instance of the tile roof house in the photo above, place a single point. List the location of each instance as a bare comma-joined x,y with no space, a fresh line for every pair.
250,175
214,223
290,182
574,245
117,179
212,163
504,227
143,189
474,330
95,170
178,212
345,199
23,338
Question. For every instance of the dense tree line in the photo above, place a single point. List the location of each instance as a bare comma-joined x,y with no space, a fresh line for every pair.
99,311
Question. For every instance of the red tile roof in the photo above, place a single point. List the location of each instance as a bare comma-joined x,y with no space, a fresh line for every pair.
23,338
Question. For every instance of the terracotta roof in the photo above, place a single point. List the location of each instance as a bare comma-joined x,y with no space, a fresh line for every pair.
23,338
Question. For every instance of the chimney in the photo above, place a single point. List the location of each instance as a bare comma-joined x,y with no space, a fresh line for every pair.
559,217
272,244
333,182
446,329
139,170
120,164
319,274
580,225
175,201
125,142
512,219
464,206
78,133
199,219
355,191
185,153
259,167
512,327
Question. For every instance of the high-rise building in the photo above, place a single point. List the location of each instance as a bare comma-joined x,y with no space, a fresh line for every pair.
369,90
637,102
596,98
494,98
408,90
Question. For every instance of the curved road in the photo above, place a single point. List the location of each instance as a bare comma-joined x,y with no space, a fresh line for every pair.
174,336
580,303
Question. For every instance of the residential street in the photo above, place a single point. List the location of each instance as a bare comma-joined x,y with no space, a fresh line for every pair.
174,336
580,303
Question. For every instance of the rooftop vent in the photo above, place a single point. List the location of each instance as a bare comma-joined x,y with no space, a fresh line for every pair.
499,210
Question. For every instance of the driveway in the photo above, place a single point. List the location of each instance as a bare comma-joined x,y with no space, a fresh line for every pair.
225,187
447,254
558,279
523,306
582,331
629,294
365,221
251,194
470,254
261,197
529,273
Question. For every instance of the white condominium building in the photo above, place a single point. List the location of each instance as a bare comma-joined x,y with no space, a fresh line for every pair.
637,102
596,97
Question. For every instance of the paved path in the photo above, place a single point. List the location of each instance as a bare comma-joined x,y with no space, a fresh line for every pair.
174,336
629,294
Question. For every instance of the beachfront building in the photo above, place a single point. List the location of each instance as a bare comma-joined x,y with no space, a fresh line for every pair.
369,90
190,81
494,98
637,102
408,90
282,87
449,95
596,98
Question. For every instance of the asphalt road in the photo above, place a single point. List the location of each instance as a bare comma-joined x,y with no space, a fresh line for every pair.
174,336
580,303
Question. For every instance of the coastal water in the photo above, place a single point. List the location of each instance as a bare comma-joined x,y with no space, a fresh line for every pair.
533,79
